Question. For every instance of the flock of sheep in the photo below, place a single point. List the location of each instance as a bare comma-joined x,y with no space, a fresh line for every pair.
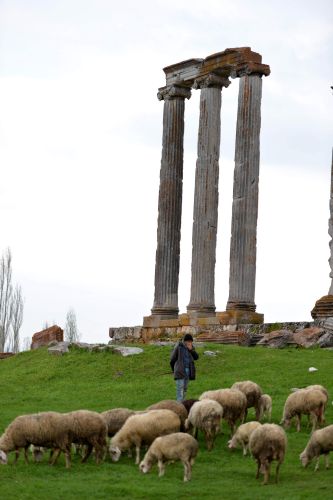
170,429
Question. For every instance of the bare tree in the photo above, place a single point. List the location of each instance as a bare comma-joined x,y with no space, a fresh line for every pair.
71,331
26,343
17,318
6,291
11,306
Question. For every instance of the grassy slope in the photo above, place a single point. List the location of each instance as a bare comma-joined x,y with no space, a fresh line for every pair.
36,381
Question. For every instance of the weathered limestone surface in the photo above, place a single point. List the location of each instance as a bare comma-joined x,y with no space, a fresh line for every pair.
44,337
170,202
205,211
243,245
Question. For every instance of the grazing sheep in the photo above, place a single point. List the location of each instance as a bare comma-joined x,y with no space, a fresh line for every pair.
242,435
171,404
143,428
233,403
86,428
265,406
252,392
323,389
320,443
188,403
116,418
205,415
40,429
267,443
176,446
304,401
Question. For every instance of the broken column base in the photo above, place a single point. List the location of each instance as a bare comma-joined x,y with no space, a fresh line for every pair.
323,308
157,327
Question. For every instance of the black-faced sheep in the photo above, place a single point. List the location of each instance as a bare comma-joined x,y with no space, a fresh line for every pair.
265,406
40,429
267,443
233,403
171,404
320,443
188,403
205,415
242,435
304,401
252,392
116,418
176,446
143,428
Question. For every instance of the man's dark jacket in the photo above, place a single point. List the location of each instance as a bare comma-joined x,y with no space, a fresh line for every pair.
177,361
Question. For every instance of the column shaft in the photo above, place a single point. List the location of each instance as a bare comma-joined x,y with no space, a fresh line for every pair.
205,210
243,246
170,203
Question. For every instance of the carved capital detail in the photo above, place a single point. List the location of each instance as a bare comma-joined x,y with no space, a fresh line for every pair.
173,91
250,68
211,80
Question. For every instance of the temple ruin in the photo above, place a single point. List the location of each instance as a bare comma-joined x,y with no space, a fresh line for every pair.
210,75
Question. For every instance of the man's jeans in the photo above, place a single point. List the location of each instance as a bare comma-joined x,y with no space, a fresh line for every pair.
181,386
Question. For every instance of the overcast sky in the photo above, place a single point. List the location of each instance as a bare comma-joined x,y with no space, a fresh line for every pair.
80,149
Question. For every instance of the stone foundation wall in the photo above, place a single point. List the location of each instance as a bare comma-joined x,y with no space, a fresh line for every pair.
208,332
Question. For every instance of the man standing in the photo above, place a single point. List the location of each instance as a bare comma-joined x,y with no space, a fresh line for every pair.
182,364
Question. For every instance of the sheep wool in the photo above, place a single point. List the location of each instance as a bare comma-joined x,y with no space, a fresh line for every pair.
267,443
143,428
175,446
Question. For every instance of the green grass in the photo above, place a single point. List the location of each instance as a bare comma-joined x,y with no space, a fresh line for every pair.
36,381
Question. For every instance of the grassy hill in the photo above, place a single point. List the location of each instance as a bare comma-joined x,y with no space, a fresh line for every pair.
37,381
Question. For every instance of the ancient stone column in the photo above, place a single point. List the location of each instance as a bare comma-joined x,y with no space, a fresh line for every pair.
170,202
243,246
205,211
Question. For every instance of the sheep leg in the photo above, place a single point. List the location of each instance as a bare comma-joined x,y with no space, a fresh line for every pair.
187,471
258,468
317,463
137,452
298,422
161,468
54,455
277,472
266,473
327,461
244,448
314,421
17,454
68,458
26,459
87,453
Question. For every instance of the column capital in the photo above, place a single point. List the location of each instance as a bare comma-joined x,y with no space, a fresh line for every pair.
250,68
211,80
173,91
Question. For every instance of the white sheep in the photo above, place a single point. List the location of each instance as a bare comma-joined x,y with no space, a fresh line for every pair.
267,443
205,415
171,404
88,428
233,403
143,428
242,435
304,401
175,446
320,443
265,406
116,418
40,429
323,389
252,392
